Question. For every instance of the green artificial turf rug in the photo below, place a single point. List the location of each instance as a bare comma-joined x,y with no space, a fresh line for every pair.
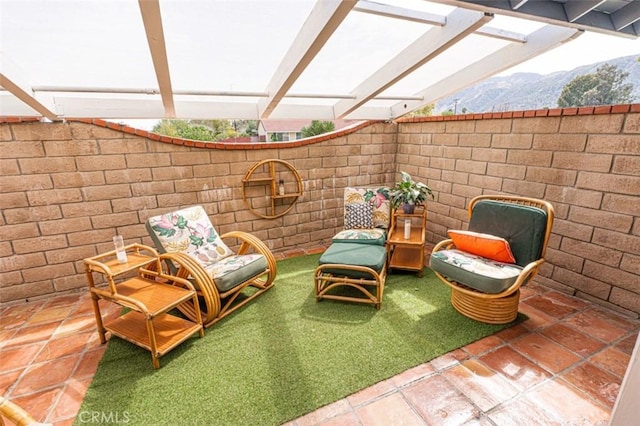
282,355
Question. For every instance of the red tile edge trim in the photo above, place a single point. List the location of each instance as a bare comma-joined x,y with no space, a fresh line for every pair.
18,119
544,112
202,144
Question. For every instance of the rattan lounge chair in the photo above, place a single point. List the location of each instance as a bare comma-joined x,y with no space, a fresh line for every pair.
224,280
15,414
503,251
354,267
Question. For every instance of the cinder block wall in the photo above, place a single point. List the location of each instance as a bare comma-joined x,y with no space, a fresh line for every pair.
585,161
67,188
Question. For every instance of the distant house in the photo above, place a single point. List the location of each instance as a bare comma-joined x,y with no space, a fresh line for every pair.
290,130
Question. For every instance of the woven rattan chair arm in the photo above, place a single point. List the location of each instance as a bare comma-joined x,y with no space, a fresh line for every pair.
15,414
153,272
527,273
443,245
320,270
250,241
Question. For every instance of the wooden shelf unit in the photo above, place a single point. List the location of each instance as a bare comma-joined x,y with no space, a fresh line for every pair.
148,294
407,254
273,167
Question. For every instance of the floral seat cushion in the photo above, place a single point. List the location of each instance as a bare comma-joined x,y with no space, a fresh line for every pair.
486,275
374,236
235,269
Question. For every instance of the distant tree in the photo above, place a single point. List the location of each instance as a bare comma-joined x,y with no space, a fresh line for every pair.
199,130
248,127
222,129
317,127
447,112
425,111
245,127
604,87
183,129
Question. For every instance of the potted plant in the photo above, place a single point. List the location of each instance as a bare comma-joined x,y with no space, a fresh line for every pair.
409,193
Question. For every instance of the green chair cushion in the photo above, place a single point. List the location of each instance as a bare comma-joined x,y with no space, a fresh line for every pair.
522,226
488,276
368,255
236,269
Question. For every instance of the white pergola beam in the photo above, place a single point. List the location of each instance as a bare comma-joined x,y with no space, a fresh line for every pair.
501,34
460,23
538,42
110,107
27,98
395,12
150,107
10,80
66,90
388,11
152,19
324,19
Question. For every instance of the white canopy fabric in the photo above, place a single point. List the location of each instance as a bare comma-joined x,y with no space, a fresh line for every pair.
279,59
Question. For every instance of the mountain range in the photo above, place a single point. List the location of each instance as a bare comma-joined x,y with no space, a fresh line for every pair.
524,91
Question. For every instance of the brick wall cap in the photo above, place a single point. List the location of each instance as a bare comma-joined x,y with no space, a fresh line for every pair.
550,112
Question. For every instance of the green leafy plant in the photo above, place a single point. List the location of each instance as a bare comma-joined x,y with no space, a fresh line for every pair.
317,127
409,192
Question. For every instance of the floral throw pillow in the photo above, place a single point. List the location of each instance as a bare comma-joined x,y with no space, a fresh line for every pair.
359,216
379,199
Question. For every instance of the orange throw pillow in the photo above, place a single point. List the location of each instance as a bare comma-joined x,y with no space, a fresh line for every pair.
484,245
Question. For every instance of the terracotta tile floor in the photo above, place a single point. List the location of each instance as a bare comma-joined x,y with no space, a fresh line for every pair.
562,366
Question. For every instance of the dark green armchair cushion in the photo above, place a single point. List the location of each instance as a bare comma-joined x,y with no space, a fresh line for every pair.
522,226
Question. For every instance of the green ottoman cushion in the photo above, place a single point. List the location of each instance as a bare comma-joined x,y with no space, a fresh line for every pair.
488,276
368,255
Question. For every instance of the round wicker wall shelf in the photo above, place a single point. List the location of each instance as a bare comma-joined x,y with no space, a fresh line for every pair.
270,188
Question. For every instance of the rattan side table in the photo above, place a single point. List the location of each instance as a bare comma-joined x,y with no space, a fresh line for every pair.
148,294
407,254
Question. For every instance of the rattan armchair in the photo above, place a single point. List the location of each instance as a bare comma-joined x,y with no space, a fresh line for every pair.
15,414
483,288
224,280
